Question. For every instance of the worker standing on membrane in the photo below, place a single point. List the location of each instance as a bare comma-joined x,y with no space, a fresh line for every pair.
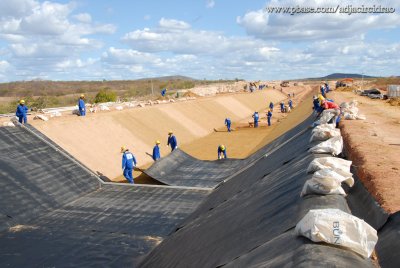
21,112
269,115
172,141
128,163
271,106
156,151
256,118
81,106
290,104
222,152
228,124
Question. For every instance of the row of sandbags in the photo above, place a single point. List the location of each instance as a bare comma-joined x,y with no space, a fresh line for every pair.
333,226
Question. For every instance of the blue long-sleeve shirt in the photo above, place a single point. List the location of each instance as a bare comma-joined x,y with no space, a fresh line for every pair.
172,142
128,160
271,105
81,105
22,110
227,122
256,117
156,153
269,114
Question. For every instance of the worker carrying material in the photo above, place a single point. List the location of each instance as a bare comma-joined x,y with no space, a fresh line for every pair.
228,124
21,112
81,106
172,141
256,119
156,151
269,115
222,152
128,163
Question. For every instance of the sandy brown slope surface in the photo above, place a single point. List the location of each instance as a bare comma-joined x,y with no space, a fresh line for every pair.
374,147
95,140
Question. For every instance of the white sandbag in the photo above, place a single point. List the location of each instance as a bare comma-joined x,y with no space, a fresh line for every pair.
41,117
8,124
334,163
119,108
104,108
331,174
322,186
338,228
323,127
333,146
324,132
326,117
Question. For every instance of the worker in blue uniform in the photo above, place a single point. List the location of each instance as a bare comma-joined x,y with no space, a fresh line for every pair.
290,104
21,112
156,151
323,91
172,141
269,115
128,163
81,106
271,106
256,118
316,104
282,104
222,152
228,124
163,92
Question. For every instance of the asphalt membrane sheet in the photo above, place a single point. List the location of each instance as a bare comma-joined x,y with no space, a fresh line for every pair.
55,213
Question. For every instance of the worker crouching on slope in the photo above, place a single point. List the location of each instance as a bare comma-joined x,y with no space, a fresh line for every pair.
81,106
228,124
156,151
128,163
21,112
331,107
222,152
172,141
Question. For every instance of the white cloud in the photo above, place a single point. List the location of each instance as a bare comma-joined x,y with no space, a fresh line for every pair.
210,3
184,40
4,65
83,17
129,56
16,8
298,27
173,24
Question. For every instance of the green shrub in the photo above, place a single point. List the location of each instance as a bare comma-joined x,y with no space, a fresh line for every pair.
105,95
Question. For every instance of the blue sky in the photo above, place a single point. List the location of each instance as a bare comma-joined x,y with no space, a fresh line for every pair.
212,39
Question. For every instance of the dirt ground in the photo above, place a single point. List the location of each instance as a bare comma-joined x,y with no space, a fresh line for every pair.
374,147
95,140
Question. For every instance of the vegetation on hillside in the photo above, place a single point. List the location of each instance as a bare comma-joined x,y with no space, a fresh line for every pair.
47,94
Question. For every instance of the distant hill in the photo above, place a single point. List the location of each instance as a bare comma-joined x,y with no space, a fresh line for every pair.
340,76
343,75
